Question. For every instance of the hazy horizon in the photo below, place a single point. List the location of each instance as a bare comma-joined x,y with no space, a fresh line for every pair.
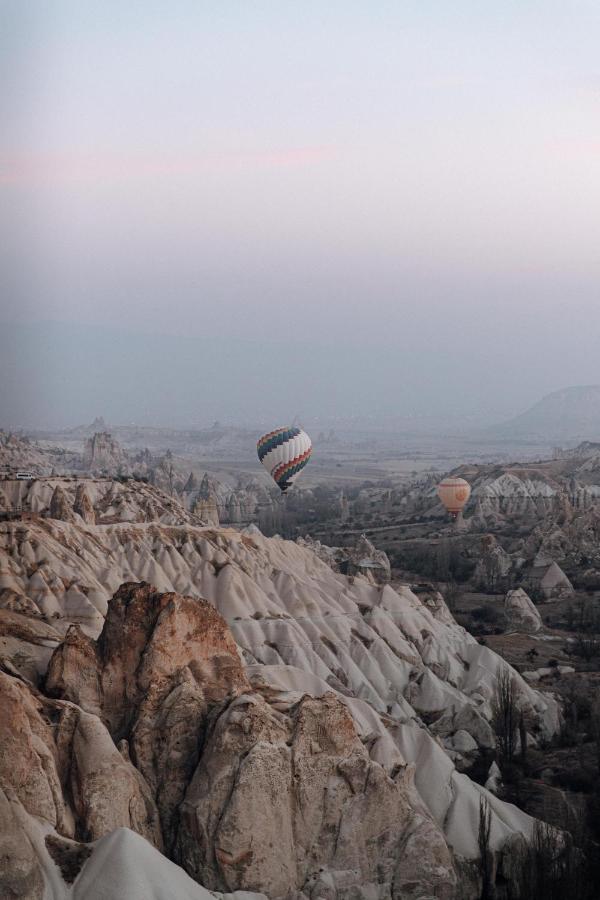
245,211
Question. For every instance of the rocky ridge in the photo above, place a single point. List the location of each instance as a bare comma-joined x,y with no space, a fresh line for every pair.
175,679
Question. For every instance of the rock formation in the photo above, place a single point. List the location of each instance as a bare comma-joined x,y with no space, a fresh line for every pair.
95,500
83,505
103,452
361,559
246,795
520,614
60,507
270,737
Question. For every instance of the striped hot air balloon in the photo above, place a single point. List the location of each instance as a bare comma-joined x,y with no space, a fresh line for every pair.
454,493
284,453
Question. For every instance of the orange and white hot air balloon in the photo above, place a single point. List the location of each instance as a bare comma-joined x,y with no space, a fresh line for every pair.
454,493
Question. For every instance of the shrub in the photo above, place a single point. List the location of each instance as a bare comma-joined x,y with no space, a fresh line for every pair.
486,614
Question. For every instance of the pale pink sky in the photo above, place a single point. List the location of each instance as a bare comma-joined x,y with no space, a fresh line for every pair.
424,174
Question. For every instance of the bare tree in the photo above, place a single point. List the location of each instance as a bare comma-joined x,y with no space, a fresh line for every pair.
595,728
170,476
505,716
483,841
523,737
551,866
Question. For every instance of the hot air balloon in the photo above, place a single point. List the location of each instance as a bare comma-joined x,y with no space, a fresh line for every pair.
284,453
454,493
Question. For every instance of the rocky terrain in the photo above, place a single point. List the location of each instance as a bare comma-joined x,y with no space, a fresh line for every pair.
241,499
101,501
240,706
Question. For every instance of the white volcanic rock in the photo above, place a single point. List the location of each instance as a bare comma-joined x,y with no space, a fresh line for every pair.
40,865
554,583
124,865
451,798
520,613
305,784
283,604
253,813
95,500
18,454
465,719
494,779
373,659
361,559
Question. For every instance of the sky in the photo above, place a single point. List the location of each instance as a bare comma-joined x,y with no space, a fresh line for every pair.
240,210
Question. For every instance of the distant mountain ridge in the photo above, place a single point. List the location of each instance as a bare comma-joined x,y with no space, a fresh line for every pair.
570,414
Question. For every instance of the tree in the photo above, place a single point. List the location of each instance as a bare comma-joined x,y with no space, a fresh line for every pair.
595,728
505,716
483,842
523,738
551,866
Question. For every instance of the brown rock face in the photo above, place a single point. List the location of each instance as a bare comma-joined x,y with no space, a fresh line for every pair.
62,766
20,874
294,803
59,506
83,505
160,664
155,727
74,671
108,791
28,763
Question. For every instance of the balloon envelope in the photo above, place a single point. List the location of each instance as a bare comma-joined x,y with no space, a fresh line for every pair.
284,452
454,493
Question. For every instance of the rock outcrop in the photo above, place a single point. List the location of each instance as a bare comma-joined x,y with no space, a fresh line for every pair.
520,614
95,501
102,452
63,768
304,783
360,559
550,581
60,507
83,505
161,662
244,794
270,737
